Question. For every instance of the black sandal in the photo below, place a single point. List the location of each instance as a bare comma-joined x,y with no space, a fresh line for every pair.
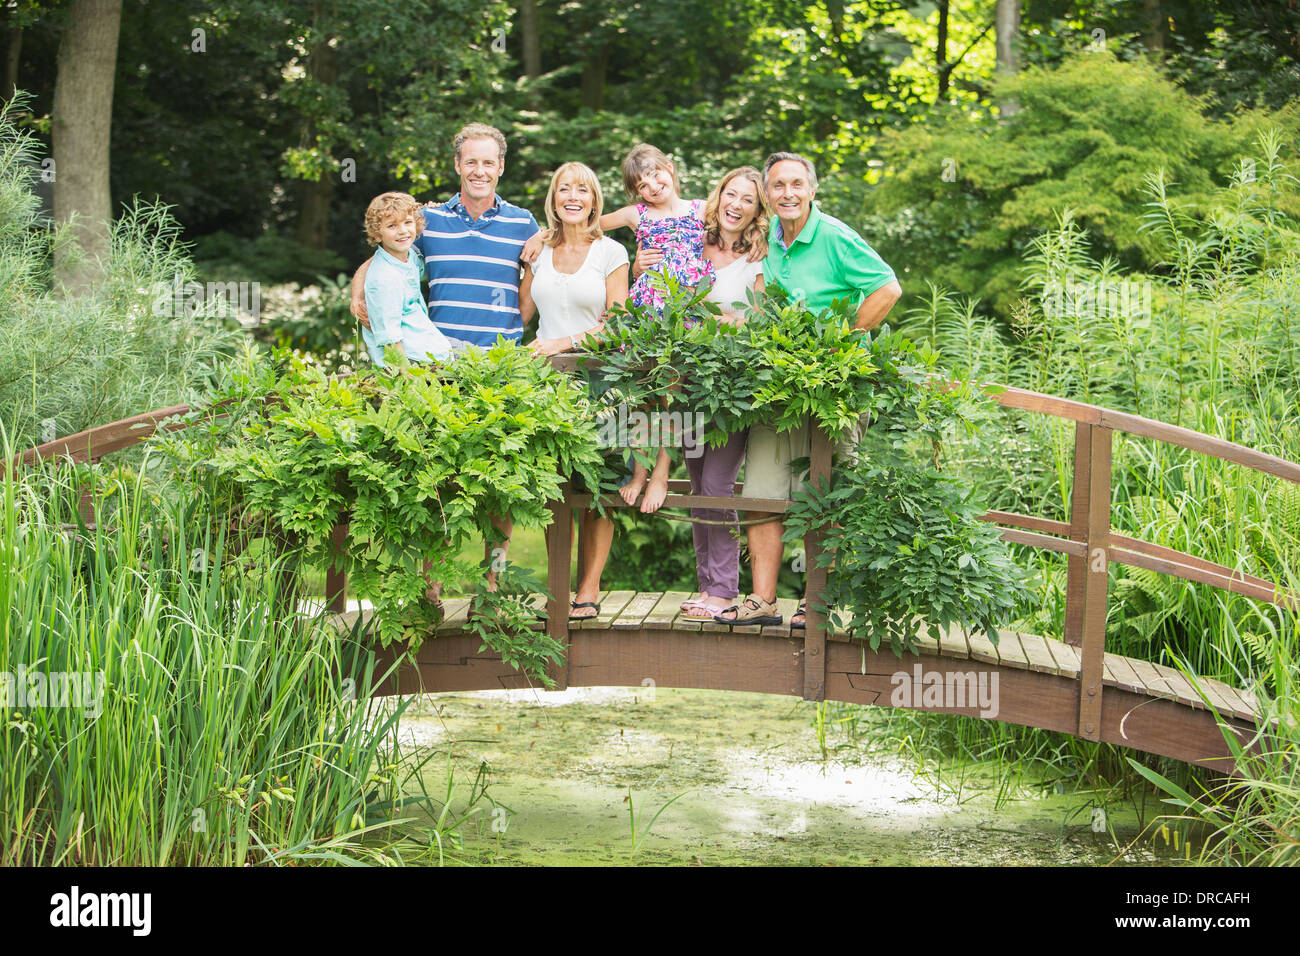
574,605
802,625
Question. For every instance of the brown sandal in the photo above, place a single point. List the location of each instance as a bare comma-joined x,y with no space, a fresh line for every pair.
752,610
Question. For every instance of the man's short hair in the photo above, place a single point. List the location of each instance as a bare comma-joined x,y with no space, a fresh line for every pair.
795,157
387,206
479,131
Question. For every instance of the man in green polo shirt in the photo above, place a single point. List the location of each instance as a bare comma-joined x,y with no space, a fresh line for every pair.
817,259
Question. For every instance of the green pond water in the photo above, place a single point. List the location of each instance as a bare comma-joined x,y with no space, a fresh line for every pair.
755,789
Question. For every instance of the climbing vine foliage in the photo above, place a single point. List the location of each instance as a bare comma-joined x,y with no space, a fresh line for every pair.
418,461
907,548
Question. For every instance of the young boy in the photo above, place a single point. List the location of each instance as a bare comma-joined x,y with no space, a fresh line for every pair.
398,316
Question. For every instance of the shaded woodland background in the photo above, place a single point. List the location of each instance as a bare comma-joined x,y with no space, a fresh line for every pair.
267,125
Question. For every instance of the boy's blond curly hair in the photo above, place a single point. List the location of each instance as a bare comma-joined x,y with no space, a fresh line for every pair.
385,206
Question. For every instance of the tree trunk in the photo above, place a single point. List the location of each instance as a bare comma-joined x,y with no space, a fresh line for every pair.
1155,31
941,52
593,78
13,54
315,195
532,43
1008,28
80,130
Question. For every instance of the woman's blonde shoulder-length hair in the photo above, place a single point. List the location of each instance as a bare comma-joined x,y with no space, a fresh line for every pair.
583,175
755,234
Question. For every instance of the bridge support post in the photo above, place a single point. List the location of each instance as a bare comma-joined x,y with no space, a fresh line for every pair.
1088,576
559,549
336,582
814,635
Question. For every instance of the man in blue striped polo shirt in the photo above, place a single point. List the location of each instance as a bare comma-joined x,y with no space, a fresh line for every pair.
471,245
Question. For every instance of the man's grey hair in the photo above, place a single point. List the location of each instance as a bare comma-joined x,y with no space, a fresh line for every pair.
479,131
782,157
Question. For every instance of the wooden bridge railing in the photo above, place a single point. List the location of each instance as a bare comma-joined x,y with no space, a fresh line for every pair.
1087,539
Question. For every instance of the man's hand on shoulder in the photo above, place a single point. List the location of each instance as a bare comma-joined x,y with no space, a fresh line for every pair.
532,248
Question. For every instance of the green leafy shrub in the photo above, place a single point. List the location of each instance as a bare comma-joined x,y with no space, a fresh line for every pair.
907,545
1086,138
314,320
416,459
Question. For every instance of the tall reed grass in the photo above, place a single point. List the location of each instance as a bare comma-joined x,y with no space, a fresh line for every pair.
70,363
225,729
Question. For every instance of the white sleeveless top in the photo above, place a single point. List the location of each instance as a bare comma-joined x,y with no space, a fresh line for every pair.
569,304
731,283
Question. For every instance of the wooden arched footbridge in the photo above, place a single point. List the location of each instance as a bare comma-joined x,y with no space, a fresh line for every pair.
1071,685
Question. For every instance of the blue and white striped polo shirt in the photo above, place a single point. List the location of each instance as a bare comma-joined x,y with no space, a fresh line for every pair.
473,269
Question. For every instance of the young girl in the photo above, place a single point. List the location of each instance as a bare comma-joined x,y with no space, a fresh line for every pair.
670,242
669,229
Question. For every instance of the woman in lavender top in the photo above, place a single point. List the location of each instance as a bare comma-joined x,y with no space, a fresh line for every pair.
735,242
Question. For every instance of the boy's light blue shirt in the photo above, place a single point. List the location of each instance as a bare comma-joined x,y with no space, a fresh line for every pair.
397,311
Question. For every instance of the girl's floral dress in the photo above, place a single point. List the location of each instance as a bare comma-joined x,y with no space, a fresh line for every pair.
681,240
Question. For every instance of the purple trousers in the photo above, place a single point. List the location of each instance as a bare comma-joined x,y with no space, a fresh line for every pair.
717,547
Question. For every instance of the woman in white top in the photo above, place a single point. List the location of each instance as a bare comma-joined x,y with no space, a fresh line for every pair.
579,275
735,241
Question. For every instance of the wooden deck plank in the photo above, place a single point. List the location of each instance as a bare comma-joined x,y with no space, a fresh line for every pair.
1180,685
1248,705
982,648
928,645
952,643
1219,695
682,623
665,611
611,605
841,632
786,607
456,610
1125,676
1010,651
602,599
1066,656
636,609
1040,658
1157,684
729,628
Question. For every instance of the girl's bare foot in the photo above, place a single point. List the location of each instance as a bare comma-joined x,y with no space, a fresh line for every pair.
632,489
657,488
655,493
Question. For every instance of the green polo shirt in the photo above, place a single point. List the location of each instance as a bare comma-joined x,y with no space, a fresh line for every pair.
826,261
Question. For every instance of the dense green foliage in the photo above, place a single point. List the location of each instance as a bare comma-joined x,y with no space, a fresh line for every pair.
1211,345
416,460
1209,341
907,546
69,363
203,725
966,196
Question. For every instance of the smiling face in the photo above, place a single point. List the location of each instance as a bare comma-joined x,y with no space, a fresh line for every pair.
479,166
737,204
397,233
574,200
656,187
790,192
